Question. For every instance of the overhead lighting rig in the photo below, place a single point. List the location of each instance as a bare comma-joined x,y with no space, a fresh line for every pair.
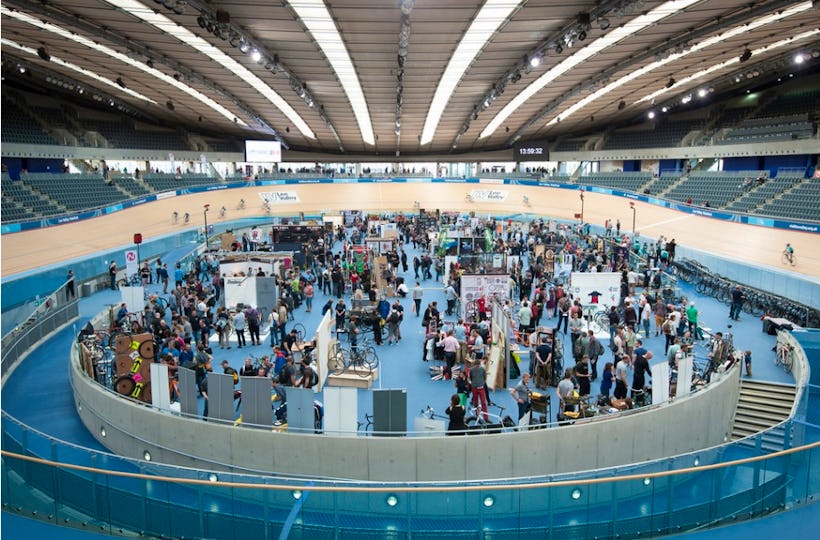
406,7
575,31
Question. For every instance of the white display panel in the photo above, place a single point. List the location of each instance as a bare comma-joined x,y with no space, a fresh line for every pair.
134,298
240,290
684,377
607,285
263,151
340,405
660,383
160,390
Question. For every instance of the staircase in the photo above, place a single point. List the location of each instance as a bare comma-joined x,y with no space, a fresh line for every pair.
760,406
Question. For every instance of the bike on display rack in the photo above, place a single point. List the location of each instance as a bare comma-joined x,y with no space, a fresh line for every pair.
784,355
493,422
360,359
133,280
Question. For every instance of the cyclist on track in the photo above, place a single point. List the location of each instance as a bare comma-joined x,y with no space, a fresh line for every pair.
789,252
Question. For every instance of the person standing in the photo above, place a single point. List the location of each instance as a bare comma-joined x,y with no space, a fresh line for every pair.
646,317
478,378
450,346
308,293
640,364
252,318
543,363
582,375
418,293
341,316
69,285
521,393
112,275
621,369
692,319
456,414
239,328
282,320
607,379
737,303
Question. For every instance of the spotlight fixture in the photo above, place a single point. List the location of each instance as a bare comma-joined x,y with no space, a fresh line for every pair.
120,82
603,23
535,60
702,93
558,48
670,83
149,63
201,21
21,69
651,114
244,46
664,109
176,76
256,56
745,56
170,105
798,58
621,105
582,35
41,52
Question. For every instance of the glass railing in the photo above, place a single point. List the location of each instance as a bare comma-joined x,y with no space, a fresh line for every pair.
74,486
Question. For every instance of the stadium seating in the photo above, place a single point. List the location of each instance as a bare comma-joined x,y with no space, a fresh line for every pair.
662,183
666,135
169,182
767,191
75,191
718,188
629,181
800,202
19,127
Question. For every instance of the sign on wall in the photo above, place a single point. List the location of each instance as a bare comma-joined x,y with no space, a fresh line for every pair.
280,197
488,195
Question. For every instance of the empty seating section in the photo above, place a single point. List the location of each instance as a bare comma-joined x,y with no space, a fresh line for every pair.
662,183
52,116
75,191
19,127
771,128
132,186
629,181
716,188
223,146
20,193
12,211
169,182
570,145
799,102
669,134
122,135
767,191
802,202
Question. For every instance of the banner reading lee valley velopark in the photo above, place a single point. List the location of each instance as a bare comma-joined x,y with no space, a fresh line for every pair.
488,195
280,197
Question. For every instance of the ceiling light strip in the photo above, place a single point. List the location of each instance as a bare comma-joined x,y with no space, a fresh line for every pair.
486,23
53,28
730,62
315,16
187,37
714,40
78,69
626,30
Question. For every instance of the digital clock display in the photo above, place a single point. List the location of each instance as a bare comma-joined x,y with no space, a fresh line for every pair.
531,151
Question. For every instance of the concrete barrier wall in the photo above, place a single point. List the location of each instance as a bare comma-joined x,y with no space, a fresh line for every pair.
698,421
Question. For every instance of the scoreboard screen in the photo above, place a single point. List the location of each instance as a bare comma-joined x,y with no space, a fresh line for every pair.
531,151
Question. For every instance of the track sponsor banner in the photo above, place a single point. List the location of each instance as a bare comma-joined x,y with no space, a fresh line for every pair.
489,195
280,197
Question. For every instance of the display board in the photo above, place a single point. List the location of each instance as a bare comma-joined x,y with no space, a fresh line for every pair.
256,401
259,292
133,357
134,298
487,286
601,288
220,396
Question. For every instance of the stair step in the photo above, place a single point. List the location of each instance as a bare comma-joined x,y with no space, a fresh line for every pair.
766,402
753,424
787,393
773,407
759,416
774,389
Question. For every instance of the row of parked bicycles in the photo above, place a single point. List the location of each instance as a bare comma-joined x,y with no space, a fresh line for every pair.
756,302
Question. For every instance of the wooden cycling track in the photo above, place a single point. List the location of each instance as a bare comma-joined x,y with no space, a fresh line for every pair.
29,250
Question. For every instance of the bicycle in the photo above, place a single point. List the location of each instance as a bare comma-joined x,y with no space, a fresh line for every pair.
241,205
186,217
361,359
368,424
133,280
493,423
266,207
788,257
784,356
175,217
222,212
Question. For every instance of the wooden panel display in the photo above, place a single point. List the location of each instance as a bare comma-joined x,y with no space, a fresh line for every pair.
134,355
